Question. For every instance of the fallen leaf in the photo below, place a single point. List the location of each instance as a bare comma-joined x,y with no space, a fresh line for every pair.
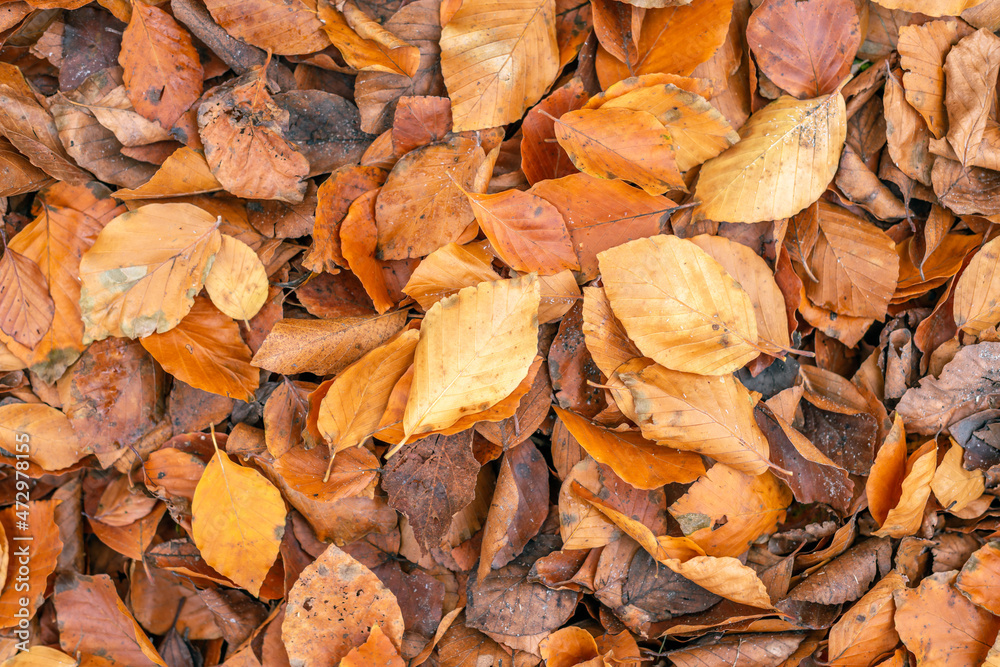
806,48
706,327
449,382
494,85
237,282
238,521
939,625
790,149
868,627
26,309
144,269
349,600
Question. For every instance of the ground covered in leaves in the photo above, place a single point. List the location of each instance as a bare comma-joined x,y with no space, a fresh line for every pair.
499,332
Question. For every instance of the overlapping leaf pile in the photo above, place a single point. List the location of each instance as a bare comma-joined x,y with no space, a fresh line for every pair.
478,332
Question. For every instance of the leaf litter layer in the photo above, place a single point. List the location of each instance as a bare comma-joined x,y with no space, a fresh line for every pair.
462,332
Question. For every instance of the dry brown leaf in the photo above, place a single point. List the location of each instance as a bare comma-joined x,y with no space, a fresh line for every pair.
977,580
26,308
55,445
968,98
475,348
324,347
907,515
244,130
283,26
427,184
704,326
605,337
805,48
854,261
144,269
493,82
332,607
940,626
787,154
922,51
867,629
162,71
527,232
931,7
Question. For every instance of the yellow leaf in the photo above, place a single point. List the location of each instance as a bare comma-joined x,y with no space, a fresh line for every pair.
238,520
366,45
498,58
351,410
788,153
52,444
185,172
144,270
725,511
237,282
475,348
976,305
709,415
679,306
752,273
953,485
905,518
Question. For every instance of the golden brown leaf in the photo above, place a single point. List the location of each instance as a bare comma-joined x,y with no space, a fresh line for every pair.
604,335
621,143
854,261
53,444
726,510
331,608
364,43
475,348
237,282
752,273
238,519
978,578
708,415
185,172
244,135
906,516
953,485
26,308
527,232
377,651
697,130
422,205
931,7
702,321
284,26
940,626
602,213
922,51
355,402
968,98
788,153
641,463
805,48
498,58
447,270
205,350
867,629
324,347
142,273
975,305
